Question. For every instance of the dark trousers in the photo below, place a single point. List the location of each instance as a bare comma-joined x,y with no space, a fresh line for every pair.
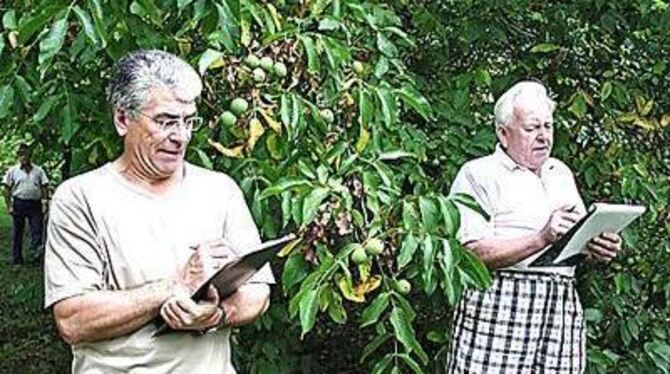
31,210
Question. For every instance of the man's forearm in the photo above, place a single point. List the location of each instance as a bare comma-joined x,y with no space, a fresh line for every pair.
108,314
244,306
498,253
8,198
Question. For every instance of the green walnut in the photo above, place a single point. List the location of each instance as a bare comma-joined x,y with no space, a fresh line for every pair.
374,247
403,286
228,119
259,75
327,115
358,256
358,67
267,63
279,69
239,106
252,61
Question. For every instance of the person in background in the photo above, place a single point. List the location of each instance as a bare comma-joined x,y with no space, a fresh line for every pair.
26,199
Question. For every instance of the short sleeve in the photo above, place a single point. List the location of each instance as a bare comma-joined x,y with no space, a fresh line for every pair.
7,178
240,230
72,261
44,180
474,226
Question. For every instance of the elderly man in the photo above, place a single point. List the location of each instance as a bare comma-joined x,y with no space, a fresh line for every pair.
530,320
26,198
133,239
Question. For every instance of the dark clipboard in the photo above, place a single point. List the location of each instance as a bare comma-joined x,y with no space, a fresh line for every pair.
233,274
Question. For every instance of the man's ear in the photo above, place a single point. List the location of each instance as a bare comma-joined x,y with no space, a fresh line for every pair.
502,133
121,120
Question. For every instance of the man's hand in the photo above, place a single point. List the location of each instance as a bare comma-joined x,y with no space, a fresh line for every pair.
10,209
182,313
561,220
604,248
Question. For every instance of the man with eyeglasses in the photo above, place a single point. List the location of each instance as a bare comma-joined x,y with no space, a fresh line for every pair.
133,239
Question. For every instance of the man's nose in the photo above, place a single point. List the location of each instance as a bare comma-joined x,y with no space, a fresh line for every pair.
179,135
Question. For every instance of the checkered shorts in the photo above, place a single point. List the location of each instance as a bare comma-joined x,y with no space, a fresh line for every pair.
524,323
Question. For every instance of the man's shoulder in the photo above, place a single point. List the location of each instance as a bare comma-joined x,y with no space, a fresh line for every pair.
481,166
82,183
209,177
559,166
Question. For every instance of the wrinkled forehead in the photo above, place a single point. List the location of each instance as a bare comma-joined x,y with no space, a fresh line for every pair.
533,108
178,102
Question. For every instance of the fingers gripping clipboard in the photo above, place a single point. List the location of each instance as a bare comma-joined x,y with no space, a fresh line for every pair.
234,274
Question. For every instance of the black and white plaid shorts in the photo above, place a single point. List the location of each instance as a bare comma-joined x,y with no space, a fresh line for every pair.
525,323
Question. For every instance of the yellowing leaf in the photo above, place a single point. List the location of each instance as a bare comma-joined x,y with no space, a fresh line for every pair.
665,120
344,283
363,139
289,247
369,285
256,130
274,125
234,152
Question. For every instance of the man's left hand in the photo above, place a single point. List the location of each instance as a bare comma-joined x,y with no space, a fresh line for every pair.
605,247
182,313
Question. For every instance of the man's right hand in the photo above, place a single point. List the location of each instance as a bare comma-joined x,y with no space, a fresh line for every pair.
180,312
561,220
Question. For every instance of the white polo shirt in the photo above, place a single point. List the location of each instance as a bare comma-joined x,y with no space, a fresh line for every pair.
518,201
24,184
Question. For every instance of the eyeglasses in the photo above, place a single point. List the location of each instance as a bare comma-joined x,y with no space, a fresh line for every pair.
170,125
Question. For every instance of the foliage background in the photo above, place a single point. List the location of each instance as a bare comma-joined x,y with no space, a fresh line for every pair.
421,107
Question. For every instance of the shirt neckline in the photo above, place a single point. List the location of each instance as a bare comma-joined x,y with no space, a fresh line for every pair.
512,165
116,175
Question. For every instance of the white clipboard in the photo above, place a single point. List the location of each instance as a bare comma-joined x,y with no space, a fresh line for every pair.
570,249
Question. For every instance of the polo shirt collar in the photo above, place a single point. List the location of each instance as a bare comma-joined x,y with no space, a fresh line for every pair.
512,165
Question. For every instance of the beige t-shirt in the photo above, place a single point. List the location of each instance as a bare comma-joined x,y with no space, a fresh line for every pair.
25,185
106,234
519,201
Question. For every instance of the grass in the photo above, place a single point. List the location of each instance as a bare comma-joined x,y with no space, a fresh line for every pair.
28,339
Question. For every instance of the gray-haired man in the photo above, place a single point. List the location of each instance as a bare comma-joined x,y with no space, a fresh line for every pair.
120,238
530,320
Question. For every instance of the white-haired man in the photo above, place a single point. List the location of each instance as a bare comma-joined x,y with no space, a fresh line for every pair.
530,320
133,239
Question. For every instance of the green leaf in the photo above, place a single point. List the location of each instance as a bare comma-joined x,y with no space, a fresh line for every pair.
469,201
2,44
45,108
388,104
207,59
382,364
283,185
50,45
285,110
313,65
308,308
429,213
374,345
385,46
476,269
69,125
295,270
9,20
336,310
181,4
411,363
659,352
228,24
206,162
86,24
606,90
414,99
394,155
544,48
407,250
365,107
450,215
312,203
6,100
404,332
98,21
372,313
36,23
